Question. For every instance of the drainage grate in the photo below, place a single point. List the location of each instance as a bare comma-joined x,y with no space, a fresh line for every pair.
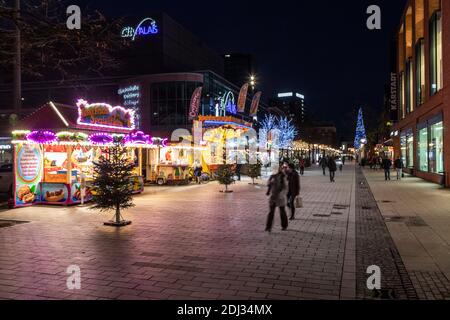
366,207
387,201
10,223
321,215
395,219
336,212
340,206
416,222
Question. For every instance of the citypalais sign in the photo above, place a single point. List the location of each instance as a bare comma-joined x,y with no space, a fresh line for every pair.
145,27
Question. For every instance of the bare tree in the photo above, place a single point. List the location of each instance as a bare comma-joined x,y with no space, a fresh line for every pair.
48,49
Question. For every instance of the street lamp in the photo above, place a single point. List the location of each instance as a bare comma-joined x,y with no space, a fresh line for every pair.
253,81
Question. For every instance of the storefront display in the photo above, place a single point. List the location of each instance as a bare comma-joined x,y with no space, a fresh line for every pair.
50,166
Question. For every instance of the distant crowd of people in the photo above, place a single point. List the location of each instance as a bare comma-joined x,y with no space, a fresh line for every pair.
385,164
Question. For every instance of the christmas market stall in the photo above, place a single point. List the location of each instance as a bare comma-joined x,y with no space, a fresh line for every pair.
55,151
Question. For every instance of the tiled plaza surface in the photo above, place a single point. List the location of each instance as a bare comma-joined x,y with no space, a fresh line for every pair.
189,242
417,214
193,242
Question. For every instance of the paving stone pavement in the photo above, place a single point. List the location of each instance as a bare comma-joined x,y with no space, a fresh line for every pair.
417,216
375,247
189,242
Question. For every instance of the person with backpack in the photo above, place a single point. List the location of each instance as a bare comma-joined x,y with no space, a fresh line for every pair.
398,164
277,192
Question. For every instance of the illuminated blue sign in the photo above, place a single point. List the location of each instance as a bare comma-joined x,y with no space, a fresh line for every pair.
146,27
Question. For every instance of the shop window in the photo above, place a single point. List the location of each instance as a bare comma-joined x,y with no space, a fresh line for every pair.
420,72
409,86
407,148
436,52
422,148
402,95
436,146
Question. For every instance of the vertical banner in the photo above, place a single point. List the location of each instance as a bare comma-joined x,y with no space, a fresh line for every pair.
255,104
28,174
195,103
242,97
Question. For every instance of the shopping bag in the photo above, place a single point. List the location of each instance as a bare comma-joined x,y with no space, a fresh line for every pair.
298,202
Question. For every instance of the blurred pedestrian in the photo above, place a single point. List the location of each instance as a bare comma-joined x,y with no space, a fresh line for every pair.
277,192
294,188
398,164
323,163
301,164
386,164
332,168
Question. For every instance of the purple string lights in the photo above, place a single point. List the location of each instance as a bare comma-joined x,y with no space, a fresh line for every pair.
101,138
138,138
41,136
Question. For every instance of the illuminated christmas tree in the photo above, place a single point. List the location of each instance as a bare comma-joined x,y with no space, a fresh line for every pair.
360,134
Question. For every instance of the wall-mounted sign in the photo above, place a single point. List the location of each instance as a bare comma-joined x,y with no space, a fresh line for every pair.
227,103
104,115
393,91
145,27
195,103
131,96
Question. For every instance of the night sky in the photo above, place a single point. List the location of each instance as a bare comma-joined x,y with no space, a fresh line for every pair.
321,49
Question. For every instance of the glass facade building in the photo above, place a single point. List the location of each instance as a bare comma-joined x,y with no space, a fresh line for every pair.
423,48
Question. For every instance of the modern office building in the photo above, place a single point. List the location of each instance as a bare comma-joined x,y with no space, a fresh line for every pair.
239,67
151,44
164,99
422,134
292,104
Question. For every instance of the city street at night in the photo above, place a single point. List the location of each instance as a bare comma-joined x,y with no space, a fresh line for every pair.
193,242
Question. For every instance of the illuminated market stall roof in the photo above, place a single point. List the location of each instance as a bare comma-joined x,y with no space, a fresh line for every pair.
214,121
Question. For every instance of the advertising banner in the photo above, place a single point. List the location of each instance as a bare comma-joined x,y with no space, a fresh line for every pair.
255,104
27,174
195,103
54,193
242,97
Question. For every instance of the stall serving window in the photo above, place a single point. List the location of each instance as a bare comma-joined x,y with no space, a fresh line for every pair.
407,148
430,145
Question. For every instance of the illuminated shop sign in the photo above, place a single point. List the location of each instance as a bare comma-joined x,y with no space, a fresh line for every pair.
131,96
104,115
5,147
146,27
225,104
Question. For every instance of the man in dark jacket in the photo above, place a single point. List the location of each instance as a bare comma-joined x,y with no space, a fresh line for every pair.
294,188
332,168
398,164
323,164
386,164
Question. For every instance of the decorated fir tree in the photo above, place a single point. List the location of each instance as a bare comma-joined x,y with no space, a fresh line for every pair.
225,176
360,134
113,189
254,171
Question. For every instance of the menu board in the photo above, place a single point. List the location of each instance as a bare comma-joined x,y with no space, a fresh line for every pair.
28,173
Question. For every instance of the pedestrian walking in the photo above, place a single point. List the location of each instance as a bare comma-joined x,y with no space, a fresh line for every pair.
398,164
332,168
277,192
301,164
323,163
293,189
386,164
198,173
